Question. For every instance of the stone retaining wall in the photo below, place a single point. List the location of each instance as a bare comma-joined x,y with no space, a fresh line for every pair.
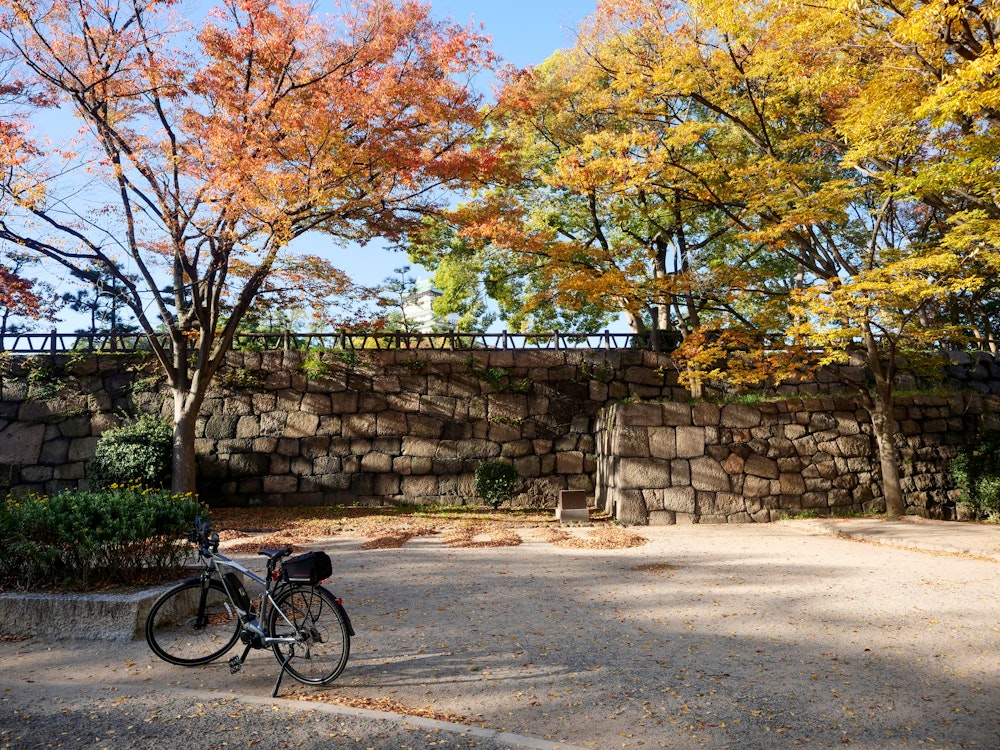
412,425
707,463
374,427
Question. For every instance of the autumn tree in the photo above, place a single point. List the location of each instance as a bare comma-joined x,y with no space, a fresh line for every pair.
23,300
773,179
588,212
205,152
825,157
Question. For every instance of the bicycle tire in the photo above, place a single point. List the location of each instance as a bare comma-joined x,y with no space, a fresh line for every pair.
323,642
172,625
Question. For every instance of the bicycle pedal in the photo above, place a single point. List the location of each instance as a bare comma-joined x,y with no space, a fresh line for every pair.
235,665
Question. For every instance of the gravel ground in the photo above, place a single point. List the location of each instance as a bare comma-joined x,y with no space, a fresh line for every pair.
707,636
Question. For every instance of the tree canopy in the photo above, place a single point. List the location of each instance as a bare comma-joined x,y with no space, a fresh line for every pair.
785,184
204,149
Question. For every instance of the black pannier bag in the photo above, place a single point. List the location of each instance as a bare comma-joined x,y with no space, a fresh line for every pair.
311,567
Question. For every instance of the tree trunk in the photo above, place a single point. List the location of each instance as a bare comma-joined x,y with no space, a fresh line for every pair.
184,476
881,406
882,423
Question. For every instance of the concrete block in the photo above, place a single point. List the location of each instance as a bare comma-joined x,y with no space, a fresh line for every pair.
572,506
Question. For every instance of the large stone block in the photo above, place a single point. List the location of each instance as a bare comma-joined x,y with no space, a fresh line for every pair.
376,462
221,426
721,503
418,446
54,452
438,406
248,427
680,471
516,449
359,425
419,486
272,423
423,426
733,463
757,487
639,415
569,462
630,507
78,427
792,484
504,432
477,449
528,467
678,499
858,445
301,424
344,403
760,466
289,400
739,416
676,414
662,518
316,403
631,441
81,449
705,414
690,442
708,474
642,473
238,404
248,464
21,444
391,423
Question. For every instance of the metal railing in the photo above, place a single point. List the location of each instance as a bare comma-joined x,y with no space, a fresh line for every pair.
118,343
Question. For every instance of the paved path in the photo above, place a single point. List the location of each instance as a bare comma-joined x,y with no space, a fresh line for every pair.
706,637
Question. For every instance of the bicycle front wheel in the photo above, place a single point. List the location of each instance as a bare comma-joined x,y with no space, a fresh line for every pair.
311,616
192,624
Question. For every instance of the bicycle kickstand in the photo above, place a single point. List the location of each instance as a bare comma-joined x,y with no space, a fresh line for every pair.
284,665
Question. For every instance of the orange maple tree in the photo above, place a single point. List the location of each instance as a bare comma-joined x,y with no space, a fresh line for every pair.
203,152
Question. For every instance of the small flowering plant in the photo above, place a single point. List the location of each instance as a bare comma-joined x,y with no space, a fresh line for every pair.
121,534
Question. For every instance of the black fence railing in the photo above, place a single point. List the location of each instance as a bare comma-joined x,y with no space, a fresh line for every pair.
63,343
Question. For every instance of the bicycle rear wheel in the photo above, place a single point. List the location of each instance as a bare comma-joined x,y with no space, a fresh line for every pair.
312,616
192,624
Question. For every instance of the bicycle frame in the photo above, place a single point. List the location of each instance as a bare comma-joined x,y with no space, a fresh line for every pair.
251,633
218,564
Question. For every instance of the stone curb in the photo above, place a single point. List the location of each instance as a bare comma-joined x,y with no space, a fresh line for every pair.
925,536
101,616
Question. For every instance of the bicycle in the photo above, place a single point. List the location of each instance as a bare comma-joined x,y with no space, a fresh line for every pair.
202,618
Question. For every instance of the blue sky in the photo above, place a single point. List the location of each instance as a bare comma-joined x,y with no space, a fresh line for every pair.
524,32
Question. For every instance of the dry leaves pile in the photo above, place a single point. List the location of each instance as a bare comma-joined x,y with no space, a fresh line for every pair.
380,704
600,537
481,535
246,530
388,536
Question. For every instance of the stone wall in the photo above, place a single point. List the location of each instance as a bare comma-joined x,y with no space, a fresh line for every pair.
677,462
411,426
337,428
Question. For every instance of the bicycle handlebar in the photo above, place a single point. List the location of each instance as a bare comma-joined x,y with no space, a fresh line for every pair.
207,543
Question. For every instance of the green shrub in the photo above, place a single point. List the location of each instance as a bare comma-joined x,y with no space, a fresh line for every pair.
118,535
314,366
976,470
496,482
139,451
